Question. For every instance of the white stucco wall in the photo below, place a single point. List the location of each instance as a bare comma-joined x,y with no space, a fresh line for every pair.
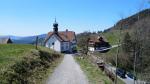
57,43
91,48
60,46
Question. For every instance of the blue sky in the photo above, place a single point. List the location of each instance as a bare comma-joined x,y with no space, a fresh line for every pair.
33,17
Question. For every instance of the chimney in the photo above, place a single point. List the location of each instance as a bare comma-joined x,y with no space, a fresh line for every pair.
66,32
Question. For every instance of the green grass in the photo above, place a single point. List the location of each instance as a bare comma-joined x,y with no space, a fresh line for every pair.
43,75
113,36
10,53
94,74
109,58
24,61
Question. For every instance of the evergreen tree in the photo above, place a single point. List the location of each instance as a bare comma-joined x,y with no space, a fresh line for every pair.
127,43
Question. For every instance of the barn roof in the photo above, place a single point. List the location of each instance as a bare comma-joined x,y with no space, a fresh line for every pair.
94,39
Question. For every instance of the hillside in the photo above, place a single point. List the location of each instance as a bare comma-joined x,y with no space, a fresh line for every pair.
134,36
126,23
11,53
139,21
23,64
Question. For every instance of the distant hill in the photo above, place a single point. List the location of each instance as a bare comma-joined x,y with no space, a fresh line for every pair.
25,40
129,22
12,37
139,21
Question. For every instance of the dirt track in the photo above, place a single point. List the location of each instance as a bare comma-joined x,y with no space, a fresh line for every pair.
68,72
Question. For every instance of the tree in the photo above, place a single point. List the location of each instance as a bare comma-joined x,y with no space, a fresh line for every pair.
83,41
127,43
126,57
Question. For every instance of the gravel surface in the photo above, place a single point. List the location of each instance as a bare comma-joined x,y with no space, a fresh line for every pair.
68,72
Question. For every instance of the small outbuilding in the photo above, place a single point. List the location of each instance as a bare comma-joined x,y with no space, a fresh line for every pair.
5,41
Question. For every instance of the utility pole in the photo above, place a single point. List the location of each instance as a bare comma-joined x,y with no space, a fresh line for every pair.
118,48
117,52
116,64
135,50
116,61
87,46
134,64
36,42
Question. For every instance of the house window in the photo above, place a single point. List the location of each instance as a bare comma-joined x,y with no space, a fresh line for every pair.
53,43
62,47
66,46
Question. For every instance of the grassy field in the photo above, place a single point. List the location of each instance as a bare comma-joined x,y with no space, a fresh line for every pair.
24,64
10,53
113,36
94,74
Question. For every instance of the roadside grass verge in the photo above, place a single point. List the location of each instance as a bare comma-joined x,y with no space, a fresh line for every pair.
94,74
22,64
109,58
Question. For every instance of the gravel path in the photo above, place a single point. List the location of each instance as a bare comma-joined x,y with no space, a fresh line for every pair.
68,72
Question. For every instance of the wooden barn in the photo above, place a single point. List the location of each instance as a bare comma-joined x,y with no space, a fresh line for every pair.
96,43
